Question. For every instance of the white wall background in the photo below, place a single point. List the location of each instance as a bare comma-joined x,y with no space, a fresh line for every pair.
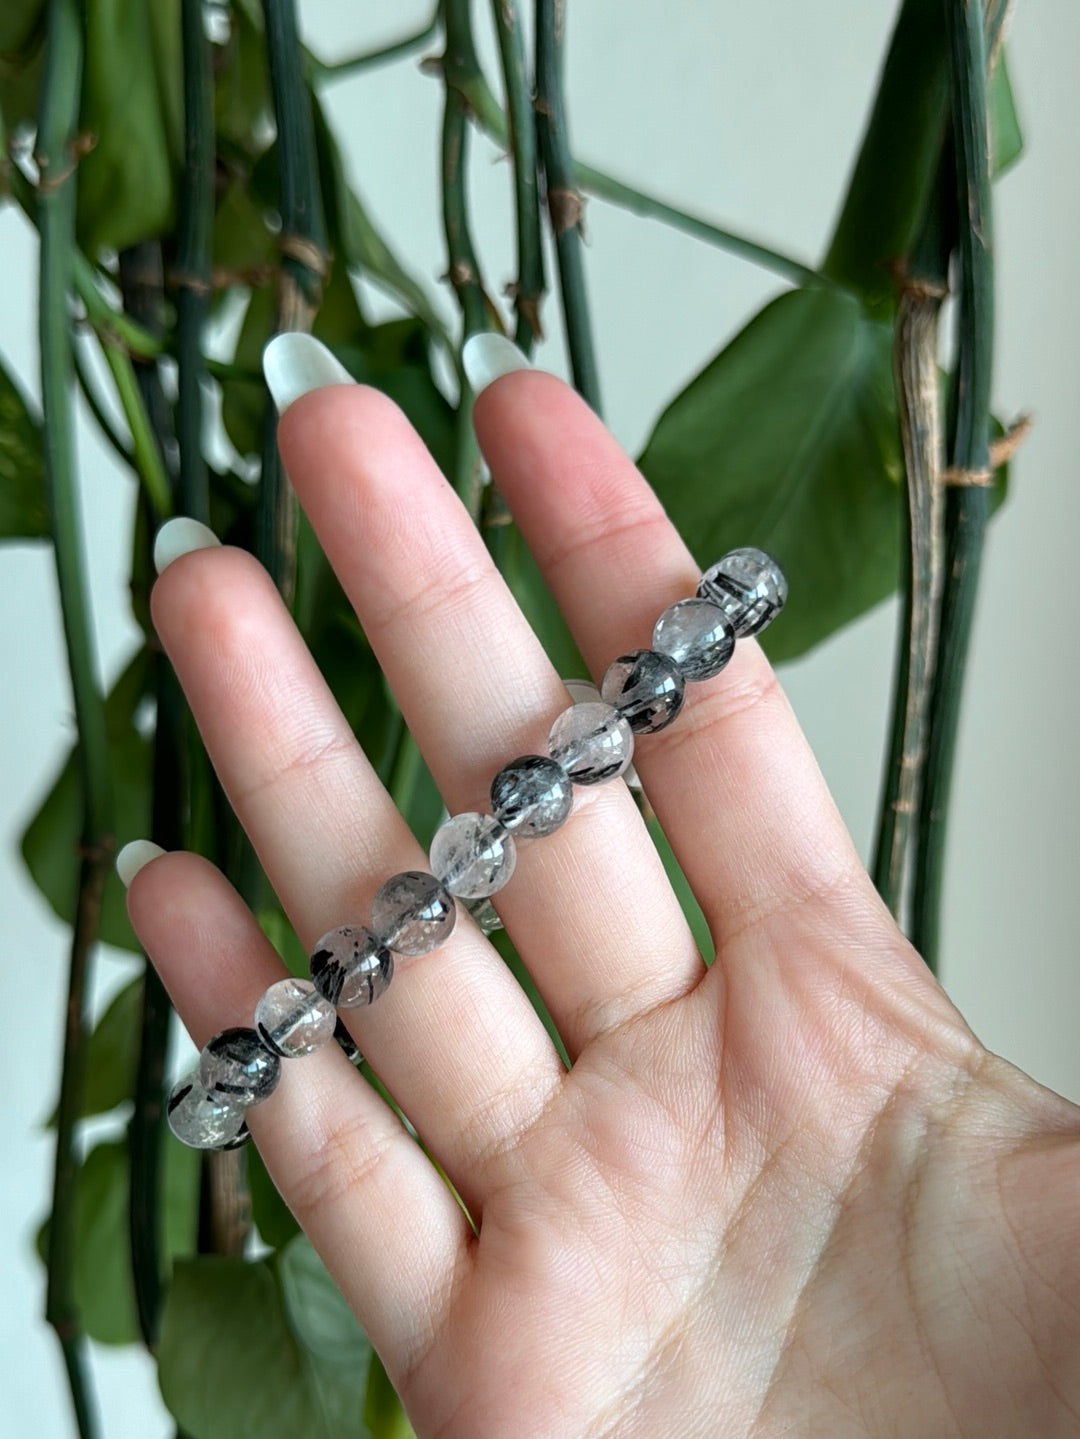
749,114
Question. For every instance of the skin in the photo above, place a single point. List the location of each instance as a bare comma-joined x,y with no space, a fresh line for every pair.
791,1194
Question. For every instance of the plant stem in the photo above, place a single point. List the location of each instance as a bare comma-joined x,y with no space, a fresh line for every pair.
146,458
966,505
138,383
606,187
192,274
101,418
369,59
565,202
460,62
915,365
529,287
56,225
492,121
303,270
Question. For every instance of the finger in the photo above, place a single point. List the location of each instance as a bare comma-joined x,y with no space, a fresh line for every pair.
454,1038
589,907
733,781
386,1225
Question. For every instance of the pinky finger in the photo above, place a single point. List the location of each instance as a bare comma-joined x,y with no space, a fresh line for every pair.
388,1229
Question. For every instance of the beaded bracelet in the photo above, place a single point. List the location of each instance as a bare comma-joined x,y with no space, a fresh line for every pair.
472,855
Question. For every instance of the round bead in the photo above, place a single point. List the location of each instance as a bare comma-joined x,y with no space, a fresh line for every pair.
413,913
473,855
532,796
294,1019
749,586
350,967
236,1063
592,742
584,691
646,689
697,637
238,1141
200,1119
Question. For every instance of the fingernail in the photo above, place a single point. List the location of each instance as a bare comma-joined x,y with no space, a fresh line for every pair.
295,363
179,537
135,856
488,357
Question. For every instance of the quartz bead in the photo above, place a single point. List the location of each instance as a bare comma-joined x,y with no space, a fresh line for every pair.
592,742
473,855
294,1019
238,1141
413,913
697,636
532,796
583,692
350,967
237,1064
646,688
749,586
200,1119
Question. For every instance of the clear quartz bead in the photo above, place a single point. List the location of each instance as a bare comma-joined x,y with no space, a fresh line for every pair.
350,967
473,855
413,912
646,688
532,796
294,1019
237,1065
697,636
238,1141
750,588
200,1119
592,742
584,691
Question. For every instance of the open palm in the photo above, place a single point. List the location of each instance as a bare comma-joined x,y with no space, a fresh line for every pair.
791,1194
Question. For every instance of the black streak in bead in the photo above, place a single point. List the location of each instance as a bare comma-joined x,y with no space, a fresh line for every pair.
328,974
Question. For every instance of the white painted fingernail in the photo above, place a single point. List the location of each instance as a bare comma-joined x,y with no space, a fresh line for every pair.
179,537
295,363
135,856
488,357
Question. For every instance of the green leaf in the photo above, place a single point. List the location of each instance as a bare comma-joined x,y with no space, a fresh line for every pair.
354,233
529,588
1006,139
22,50
788,440
126,191
50,843
243,111
383,1414
112,1053
681,885
267,1349
273,1218
104,1290
20,23
24,511
898,158
395,358
243,402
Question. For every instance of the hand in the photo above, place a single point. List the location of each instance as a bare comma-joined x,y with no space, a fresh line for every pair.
791,1194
